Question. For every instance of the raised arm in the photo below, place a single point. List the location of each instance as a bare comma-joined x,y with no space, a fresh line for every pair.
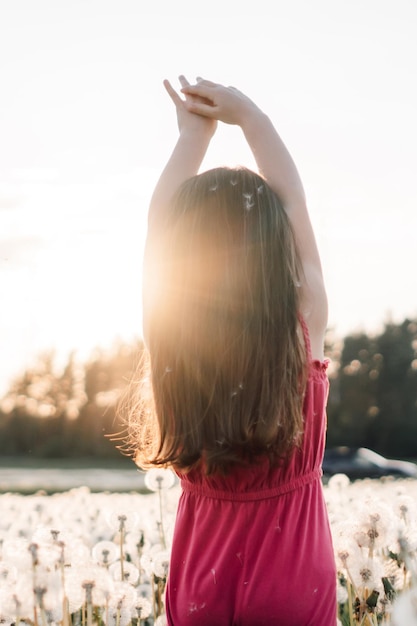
275,163
195,133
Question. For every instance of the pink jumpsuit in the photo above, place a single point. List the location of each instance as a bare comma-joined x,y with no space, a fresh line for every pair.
254,548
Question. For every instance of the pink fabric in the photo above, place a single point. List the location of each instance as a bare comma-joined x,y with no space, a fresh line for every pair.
254,548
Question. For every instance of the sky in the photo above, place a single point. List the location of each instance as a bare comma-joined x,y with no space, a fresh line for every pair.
86,127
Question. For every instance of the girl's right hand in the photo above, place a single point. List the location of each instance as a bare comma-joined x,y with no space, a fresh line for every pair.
226,104
187,119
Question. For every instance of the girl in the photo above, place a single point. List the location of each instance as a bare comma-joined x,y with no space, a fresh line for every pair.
235,312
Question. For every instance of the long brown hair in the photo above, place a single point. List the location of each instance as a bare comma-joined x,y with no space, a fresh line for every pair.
227,362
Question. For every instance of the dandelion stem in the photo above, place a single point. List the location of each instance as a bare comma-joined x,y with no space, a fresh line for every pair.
88,586
153,597
350,602
122,529
162,532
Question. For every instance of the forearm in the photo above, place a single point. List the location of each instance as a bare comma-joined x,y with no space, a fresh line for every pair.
278,168
183,163
273,159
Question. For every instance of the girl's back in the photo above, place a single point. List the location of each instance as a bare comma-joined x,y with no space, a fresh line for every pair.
254,547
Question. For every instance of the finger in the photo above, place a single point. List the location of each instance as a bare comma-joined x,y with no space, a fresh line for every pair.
209,83
201,108
201,89
184,82
172,93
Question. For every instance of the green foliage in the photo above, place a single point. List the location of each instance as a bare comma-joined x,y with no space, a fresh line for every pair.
68,413
72,412
373,396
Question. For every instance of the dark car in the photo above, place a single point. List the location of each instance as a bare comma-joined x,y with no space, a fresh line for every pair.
364,463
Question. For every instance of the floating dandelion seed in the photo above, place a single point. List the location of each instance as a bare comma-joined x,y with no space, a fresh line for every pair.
248,202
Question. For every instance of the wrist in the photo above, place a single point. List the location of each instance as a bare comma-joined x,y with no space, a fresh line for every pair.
196,135
254,120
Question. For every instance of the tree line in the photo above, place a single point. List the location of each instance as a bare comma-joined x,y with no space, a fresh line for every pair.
72,412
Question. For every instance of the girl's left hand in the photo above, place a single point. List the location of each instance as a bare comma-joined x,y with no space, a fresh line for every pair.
188,121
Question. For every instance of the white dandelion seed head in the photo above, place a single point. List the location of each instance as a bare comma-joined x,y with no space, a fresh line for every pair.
123,596
49,554
142,608
160,564
367,572
157,479
126,520
77,578
363,538
377,520
161,621
346,550
338,482
46,534
406,508
347,556
130,572
105,552
144,590
119,617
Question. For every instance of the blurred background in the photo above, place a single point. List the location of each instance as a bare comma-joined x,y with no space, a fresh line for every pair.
85,129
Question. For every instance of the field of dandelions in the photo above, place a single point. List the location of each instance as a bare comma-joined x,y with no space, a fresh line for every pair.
80,558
